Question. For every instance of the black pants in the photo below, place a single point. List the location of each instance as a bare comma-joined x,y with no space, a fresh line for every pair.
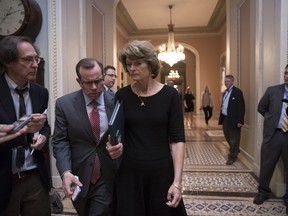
98,201
29,197
232,136
208,113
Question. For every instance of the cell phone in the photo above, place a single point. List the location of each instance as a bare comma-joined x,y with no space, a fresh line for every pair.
20,123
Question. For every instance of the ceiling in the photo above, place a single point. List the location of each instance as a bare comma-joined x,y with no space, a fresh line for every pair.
151,17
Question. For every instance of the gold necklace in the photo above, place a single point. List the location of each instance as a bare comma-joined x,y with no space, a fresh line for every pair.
142,99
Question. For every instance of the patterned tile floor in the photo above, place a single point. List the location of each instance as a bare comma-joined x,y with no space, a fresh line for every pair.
210,186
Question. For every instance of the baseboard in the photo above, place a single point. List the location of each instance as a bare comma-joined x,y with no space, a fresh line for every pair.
247,159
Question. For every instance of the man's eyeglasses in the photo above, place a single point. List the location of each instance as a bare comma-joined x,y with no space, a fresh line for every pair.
89,84
31,59
112,75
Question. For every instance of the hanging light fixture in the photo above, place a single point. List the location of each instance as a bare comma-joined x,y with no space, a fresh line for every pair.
173,74
170,53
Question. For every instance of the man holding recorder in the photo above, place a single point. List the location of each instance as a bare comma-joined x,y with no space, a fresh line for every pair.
24,182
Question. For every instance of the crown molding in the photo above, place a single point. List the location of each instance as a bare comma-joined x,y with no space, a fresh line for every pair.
215,25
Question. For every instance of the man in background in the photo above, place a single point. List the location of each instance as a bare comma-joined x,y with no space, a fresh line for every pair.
232,117
109,77
273,107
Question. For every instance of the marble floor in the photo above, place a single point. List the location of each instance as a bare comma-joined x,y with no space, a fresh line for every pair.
210,187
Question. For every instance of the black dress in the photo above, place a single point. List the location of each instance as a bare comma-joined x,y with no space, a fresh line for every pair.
146,171
189,102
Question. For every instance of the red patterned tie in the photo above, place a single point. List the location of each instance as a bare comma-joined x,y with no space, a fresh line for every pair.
95,121
95,125
96,170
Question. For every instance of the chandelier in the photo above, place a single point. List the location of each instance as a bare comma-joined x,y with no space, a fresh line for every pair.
173,74
170,53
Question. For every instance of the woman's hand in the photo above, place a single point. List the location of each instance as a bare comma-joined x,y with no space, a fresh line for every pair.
174,195
115,151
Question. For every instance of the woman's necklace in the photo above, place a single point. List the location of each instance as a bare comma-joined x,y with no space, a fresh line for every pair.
142,99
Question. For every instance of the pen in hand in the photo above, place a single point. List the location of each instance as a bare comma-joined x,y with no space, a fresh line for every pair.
35,142
45,112
39,135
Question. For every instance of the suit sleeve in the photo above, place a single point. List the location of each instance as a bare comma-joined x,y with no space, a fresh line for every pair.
60,142
263,105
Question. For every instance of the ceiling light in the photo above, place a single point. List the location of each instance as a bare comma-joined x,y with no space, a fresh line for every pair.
173,74
170,53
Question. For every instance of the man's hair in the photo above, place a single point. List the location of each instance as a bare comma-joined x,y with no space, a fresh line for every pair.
229,76
107,68
87,63
9,49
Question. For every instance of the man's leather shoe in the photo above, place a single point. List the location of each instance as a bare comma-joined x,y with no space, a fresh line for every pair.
57,205
230,162
260,198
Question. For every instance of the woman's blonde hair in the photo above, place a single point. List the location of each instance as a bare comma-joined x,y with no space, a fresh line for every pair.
140,50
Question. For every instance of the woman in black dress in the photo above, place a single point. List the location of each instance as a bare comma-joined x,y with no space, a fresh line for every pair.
149,179
189,106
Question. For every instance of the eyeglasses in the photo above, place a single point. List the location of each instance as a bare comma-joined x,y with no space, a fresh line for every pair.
112,75
89,84
31,59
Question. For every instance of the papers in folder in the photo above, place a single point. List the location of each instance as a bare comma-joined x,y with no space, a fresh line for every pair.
116,124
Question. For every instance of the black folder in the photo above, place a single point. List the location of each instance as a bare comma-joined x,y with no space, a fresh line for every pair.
116,124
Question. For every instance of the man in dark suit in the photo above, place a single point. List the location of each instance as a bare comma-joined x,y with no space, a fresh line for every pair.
19,63
232,117
109,77
76,147
272,106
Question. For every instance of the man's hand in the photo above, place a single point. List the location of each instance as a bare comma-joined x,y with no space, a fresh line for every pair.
5,136
68,183
36,123
39,141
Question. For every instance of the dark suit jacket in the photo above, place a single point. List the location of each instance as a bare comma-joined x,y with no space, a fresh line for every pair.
39,99
270,107
74,145
235,109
